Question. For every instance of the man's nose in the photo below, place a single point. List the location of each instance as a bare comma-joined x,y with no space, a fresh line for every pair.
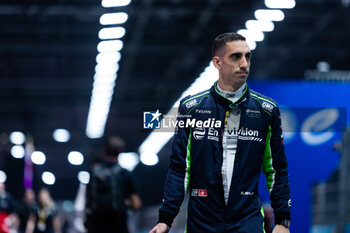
243,63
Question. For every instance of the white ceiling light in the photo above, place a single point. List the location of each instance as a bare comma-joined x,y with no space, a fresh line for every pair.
84,177
149,159
61,135
48,178
251,35
103,83
113,18
109,69
17,151
103,89
97,120
75,158
110,46
269,15
260,25
94,132
115,3
111,33
38,158
101,102
128,160
281,4
251,44
108,57
3,176
17,137
106,68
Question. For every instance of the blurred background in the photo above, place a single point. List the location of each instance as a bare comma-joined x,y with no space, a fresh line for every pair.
73,72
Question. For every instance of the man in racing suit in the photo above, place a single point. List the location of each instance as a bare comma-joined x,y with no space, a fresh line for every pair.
230,133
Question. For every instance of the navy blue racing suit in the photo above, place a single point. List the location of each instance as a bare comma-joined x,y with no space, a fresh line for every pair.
197,156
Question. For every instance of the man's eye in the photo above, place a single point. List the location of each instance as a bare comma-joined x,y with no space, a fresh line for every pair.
236,56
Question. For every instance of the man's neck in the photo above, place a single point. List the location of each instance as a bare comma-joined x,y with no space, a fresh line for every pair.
229,87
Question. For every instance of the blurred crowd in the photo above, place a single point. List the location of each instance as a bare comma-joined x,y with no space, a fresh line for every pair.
30,215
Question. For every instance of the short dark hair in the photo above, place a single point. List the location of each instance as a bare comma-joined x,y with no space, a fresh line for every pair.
220,41
114,146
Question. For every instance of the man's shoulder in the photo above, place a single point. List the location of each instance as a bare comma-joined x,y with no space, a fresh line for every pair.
268,104
262,98
191,101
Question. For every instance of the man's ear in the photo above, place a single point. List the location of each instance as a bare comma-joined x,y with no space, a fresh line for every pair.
217,62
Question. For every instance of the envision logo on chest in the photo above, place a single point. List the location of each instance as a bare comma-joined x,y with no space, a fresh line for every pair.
243,132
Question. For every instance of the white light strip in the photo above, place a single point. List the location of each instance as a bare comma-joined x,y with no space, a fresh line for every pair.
282,4
157,140
251,35
128,160
108,58
260,25
251,44
115,3
103,69
269,15
110,46
106,68
111,33
113,18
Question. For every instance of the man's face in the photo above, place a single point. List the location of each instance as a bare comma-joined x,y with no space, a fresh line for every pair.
235,61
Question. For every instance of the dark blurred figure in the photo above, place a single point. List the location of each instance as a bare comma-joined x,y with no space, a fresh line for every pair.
45,218
8,218
110,192
28,207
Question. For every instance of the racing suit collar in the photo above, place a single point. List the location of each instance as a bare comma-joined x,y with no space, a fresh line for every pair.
226,102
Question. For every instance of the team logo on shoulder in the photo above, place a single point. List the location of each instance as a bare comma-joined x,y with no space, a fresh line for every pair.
198,133
191,103
267,106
